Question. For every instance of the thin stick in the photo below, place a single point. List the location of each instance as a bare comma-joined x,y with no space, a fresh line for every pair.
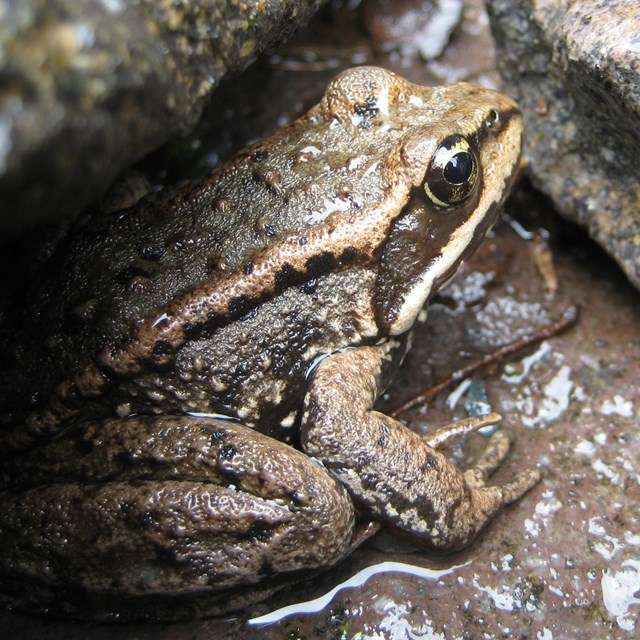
568,319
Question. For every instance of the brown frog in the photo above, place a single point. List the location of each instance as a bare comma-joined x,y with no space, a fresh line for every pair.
189,385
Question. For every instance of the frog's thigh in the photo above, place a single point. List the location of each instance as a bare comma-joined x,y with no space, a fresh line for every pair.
185,504
388,468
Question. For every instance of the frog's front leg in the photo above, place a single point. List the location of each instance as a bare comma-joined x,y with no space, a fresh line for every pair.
157,508
391,471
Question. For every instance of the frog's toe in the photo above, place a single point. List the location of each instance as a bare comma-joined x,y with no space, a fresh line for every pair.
524,481
491,458
444,436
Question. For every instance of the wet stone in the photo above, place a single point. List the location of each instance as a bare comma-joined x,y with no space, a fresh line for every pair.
90,87
575,69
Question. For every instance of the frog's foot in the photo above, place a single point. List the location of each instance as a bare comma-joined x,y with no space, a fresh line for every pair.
492,457
394,473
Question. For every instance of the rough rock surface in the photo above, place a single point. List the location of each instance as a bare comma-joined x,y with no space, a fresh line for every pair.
574,67
89,86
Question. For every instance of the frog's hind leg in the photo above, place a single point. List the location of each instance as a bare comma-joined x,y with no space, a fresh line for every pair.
395,474
172,514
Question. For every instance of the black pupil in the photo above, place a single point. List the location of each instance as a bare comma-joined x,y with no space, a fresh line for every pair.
459,168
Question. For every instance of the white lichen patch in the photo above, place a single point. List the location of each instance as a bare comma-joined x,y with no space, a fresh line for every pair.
514,376
470,289
617,406
585,448
544,509
539,402
502,317
399,623
606,471
503,598
606,545
620,591
557,394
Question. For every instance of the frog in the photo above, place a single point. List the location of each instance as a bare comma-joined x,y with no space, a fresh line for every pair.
188,421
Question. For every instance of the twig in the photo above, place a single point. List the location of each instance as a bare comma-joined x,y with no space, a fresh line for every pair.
568,319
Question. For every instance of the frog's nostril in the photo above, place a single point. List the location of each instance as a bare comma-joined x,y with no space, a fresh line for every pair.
493,119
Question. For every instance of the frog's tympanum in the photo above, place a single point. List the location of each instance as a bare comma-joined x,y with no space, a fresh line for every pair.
188,388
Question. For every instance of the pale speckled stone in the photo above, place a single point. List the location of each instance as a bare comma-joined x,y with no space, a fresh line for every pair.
574,67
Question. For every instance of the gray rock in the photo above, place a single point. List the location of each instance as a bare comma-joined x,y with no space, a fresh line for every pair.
411,27
89,86
574,67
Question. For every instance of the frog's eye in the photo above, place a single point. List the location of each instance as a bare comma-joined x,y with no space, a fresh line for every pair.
453,172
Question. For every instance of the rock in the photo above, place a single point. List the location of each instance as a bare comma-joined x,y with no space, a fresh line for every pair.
411,27
86,88
574,67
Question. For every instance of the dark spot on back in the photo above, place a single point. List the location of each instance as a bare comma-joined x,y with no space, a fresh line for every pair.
127,507
227,452
161,349
320,263
72,397
261,531
192,331
310,286
450,517
217,437
179,246
83,445
214,321
266,568
349,255
287,277
164,556
76,318
366,111
428,466
241,305
152,252
147,520
124,276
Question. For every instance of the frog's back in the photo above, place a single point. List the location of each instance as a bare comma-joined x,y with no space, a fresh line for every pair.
114,275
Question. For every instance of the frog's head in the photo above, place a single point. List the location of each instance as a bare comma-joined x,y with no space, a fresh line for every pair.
457,170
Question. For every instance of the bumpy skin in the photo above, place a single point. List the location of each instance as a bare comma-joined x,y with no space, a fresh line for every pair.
120,498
